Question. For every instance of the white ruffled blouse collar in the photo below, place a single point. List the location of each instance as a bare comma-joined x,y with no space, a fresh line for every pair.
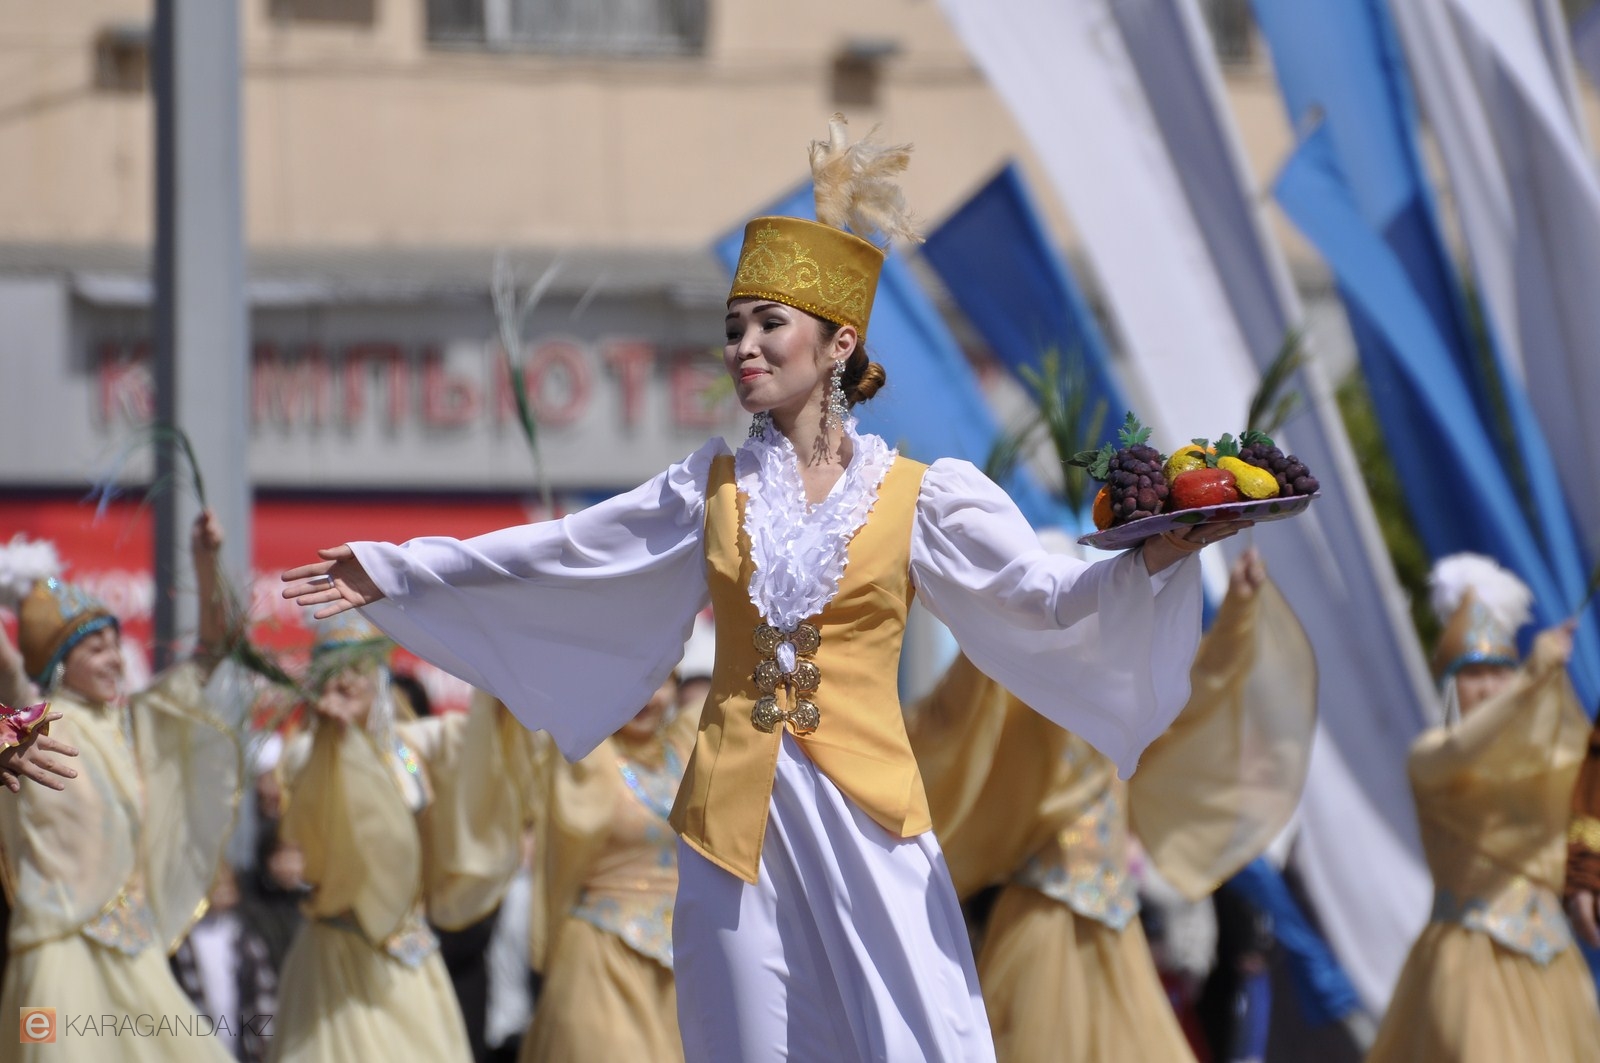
799,550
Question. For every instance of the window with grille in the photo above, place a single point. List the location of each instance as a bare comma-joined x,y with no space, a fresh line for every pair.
577,27
360,12
1231,26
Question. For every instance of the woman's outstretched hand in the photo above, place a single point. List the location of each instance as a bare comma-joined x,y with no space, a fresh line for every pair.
29,759
337,582
1162,551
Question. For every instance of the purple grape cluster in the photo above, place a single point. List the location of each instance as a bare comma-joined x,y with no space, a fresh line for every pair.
1135,482
1292,475
1138,486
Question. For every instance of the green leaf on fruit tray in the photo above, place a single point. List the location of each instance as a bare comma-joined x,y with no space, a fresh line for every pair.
1132,433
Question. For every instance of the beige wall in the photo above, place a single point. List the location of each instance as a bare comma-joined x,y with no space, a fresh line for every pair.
366,136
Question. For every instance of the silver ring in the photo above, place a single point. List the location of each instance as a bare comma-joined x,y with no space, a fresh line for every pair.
323,580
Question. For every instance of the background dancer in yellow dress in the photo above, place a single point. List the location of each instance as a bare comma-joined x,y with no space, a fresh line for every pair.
105,877
1494,975
1582,887
605,886
400,820
1065,968
815,918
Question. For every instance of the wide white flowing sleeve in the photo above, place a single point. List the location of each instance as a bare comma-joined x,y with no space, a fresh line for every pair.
573,623
1101,648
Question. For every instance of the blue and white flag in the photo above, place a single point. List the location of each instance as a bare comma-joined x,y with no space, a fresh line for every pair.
999,265
1462,439
1122,102
1496,86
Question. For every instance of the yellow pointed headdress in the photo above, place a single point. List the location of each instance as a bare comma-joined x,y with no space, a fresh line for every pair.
1481,605
345,640
53,615
830,267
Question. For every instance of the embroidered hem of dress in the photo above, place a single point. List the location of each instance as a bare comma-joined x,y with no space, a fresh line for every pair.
126,925
1526,918
411,943
799,552
1102,893
645,926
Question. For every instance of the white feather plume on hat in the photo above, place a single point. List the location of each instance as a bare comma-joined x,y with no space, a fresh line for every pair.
855,188
22,564
1506,597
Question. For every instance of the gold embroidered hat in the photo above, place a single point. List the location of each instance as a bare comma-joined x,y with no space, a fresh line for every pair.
53,615
809,266
344,641
830,267
1481,606
52,619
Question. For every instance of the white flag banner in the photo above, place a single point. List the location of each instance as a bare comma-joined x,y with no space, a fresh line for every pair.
1528,197
1122,102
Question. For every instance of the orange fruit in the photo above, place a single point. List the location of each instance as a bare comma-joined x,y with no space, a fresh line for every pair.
1102,508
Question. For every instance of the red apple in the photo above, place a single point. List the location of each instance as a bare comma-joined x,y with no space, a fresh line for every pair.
1204,487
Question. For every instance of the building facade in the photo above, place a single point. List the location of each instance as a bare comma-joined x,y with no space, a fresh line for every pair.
393,151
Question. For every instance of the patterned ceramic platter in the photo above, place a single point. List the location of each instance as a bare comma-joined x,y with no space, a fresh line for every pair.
1122,536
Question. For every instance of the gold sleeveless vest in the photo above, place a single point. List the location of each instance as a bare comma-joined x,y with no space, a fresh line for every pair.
859,738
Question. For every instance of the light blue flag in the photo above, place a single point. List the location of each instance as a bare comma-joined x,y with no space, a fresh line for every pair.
1344,83
933,406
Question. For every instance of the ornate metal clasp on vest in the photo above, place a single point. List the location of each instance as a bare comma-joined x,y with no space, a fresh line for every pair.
786,662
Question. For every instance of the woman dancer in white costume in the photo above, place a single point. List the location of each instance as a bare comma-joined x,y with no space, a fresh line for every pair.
815,918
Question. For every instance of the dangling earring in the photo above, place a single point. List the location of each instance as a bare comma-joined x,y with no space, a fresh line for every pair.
57,674
759,423
838,409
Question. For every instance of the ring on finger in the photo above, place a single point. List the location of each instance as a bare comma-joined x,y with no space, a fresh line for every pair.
323,580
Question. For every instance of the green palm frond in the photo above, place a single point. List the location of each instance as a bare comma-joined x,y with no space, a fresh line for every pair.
1589,592
1273,404
510,312
1060,391
239,647
1009,448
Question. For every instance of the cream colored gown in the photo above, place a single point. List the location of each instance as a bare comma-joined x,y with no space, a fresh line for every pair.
1495,976
607,879
424,828
106,876
1064,965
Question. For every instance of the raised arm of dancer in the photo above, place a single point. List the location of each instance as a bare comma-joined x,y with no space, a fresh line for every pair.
1526,714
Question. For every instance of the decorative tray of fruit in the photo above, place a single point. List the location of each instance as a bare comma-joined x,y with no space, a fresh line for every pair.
1146,493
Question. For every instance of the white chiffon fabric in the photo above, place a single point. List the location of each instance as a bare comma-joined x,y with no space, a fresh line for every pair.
574,623
850,946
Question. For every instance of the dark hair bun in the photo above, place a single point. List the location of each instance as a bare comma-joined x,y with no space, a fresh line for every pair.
862,377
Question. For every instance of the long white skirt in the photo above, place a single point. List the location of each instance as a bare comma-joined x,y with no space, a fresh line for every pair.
851,945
